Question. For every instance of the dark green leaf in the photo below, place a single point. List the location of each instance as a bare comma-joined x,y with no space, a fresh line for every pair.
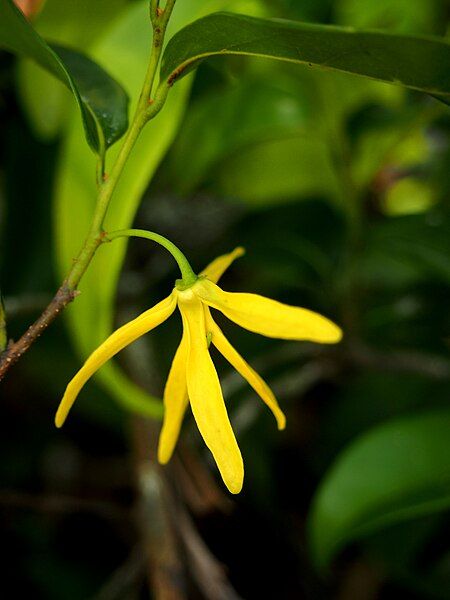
396,472
420,63
102,101
70,23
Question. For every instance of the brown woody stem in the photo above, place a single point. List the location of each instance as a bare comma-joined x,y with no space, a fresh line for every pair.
15,350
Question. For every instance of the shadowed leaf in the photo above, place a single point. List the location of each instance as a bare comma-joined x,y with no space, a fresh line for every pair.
102,101
396,472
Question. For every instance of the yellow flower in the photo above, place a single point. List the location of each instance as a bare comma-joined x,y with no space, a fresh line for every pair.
193,378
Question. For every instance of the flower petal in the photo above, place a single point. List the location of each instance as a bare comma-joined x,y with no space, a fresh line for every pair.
269,317
207,401
175,402
244,369
217,267
117,341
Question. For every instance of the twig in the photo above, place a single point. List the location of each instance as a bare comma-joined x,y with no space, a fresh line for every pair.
207,571
15,350
196,483
165,569
398,361
164,518
361,581
124,578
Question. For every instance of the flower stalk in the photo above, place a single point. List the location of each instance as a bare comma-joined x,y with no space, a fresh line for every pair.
188,277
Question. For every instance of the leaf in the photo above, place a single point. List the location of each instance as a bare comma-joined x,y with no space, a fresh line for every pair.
272,141
70,23
395,472
243,115
400,16
407,251
101,100
280,170
77,24
420,63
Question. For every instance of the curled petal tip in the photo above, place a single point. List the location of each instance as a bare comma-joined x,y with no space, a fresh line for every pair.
239,251
217,267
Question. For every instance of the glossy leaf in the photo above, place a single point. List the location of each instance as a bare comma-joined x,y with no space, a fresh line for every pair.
70,23
419,63
397,471
102,101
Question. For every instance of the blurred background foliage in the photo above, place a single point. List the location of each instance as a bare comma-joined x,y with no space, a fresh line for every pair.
338,187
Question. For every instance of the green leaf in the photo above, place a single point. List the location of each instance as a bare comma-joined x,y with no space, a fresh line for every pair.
396,472
420,63
407,251
243,115
403,16
102,101
280,170
273,141
70,23
76,23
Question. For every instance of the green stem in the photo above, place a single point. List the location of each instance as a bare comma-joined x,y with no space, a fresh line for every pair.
187,274
146,110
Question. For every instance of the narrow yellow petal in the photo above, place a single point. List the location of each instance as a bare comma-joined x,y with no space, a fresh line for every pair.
175,402
244,369
117,341
217,267
269,317
207,401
